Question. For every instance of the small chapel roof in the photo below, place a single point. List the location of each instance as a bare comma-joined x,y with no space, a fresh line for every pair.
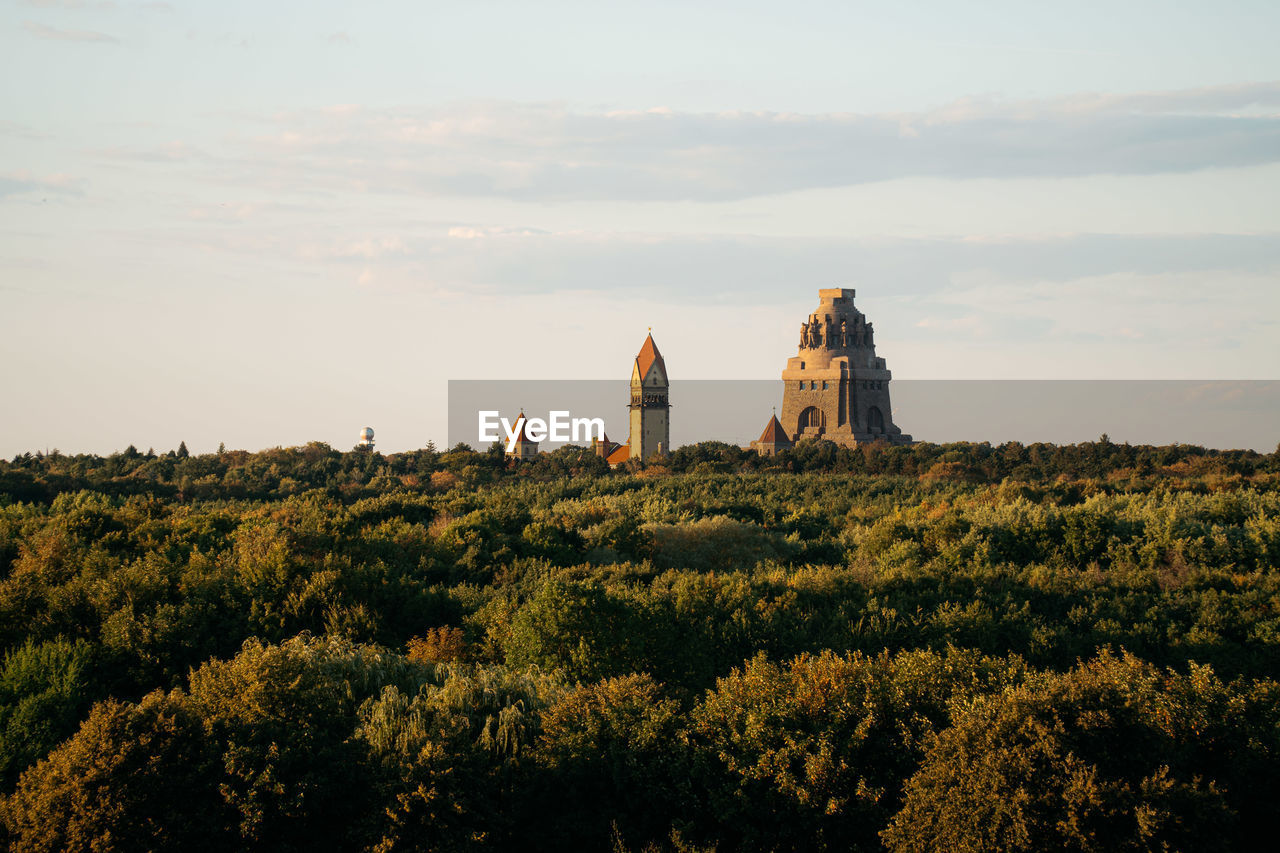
774,433
620,455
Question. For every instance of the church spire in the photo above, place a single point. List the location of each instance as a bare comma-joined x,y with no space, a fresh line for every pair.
649,356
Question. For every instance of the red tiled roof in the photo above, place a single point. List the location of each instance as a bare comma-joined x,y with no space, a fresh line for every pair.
648,355
622,454
773,433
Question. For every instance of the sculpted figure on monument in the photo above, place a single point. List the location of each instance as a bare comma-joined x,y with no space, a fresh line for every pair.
870,340
844,333
804,335
831,338
815,333
858,330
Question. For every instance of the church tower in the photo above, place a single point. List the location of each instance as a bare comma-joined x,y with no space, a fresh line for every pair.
836,388
650,421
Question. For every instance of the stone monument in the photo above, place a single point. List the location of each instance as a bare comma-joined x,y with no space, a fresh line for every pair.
836,387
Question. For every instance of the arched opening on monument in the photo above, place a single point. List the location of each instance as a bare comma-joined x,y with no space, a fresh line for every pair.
813,421
875,420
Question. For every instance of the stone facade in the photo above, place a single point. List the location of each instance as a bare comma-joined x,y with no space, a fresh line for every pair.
836,388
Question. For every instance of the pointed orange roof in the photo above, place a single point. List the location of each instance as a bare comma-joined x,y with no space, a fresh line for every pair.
620,455
773,433
648,355
522,424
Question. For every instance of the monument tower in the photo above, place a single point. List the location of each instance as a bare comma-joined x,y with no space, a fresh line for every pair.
836,387
650,410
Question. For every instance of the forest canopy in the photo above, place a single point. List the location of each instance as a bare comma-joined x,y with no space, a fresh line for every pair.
961,647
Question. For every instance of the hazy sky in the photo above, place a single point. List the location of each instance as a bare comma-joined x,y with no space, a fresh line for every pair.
265,223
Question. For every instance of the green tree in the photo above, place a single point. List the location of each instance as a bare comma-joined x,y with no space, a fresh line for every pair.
45,689
446,756
1101,758
134,777
613,758
812,754
579,627
285,716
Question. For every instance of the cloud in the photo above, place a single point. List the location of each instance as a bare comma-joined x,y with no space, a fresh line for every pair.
471,232
22,131
70,4
54,34
22,182
714,268
939,281
547,152
1177,305
168,152
366,249
223,212
1186,315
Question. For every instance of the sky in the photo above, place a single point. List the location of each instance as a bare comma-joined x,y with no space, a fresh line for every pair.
263,224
